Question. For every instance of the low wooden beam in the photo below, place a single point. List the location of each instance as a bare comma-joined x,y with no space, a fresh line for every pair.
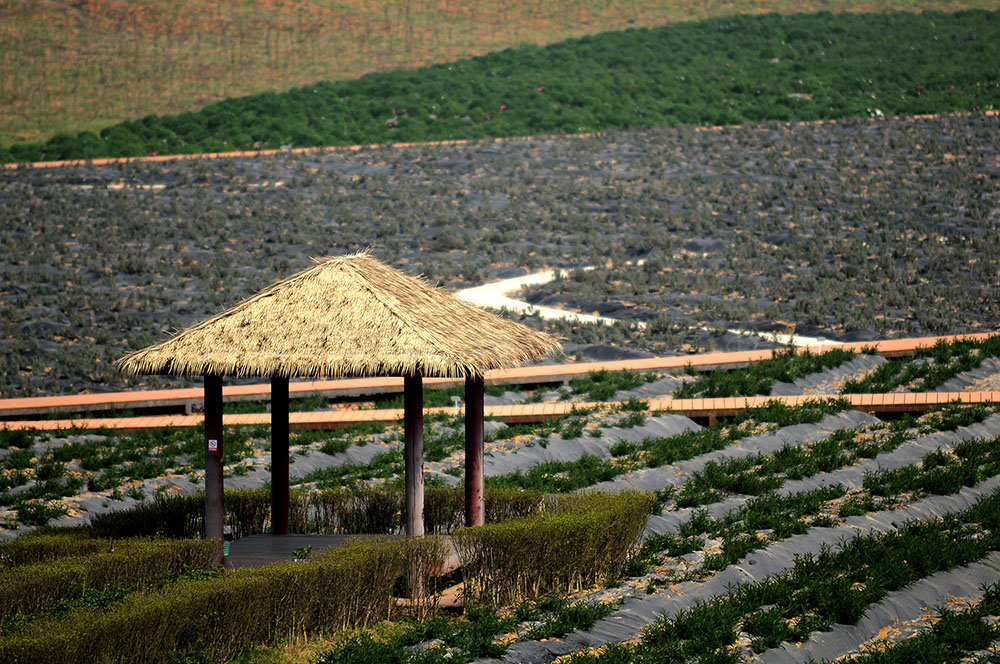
475,504
413,424
214,508
279,456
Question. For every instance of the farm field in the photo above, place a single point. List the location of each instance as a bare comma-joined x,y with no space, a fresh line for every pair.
853,229
721,71
748,513
615,533
67,67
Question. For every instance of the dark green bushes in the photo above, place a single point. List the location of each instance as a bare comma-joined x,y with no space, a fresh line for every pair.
582,539
586,537
37,547
721,71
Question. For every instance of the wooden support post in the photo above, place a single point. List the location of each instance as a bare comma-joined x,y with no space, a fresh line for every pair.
413,423
279,456
475,505
214,508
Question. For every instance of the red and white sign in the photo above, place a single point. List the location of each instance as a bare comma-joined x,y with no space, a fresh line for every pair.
213,445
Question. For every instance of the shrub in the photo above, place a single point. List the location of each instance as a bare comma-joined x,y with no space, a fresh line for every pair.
30,588
370,510
581,540
350,586
40,546
169,516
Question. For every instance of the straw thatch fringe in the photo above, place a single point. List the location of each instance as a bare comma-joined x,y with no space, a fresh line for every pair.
345,316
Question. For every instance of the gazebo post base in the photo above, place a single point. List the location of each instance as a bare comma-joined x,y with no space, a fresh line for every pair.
475,506
279,456
413,416
214,508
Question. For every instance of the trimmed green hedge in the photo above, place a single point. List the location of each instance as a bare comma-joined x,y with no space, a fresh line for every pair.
32,588
40,546
720,71
350,586
580,540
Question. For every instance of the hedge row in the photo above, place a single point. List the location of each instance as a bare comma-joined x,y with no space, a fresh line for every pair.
348,587
31,588
37,547
578,540
377,511
721,71
581,540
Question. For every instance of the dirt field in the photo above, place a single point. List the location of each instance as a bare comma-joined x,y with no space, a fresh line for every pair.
854,228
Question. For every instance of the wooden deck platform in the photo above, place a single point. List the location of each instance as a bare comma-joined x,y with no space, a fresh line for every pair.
257,550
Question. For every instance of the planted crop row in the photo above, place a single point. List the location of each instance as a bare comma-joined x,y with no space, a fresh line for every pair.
762,473
794,514
469,637
955,635
562,476
758,378
603,385
833,587
721,71
104,465
425,205
114,461
928,368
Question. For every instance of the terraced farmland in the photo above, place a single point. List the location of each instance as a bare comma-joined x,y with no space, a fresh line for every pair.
783,534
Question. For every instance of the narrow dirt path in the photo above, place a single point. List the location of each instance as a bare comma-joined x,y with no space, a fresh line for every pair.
496,295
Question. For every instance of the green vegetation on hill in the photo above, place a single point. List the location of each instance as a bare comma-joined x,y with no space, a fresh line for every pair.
720,71
69,66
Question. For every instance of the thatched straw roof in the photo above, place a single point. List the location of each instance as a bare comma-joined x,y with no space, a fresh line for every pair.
345,316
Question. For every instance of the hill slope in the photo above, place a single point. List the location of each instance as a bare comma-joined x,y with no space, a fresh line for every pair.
721,71
68,66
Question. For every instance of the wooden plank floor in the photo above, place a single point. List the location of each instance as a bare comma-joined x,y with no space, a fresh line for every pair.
534,412
352,387
258,550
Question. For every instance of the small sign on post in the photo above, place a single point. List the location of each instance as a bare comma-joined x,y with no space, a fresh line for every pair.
457,401
213,445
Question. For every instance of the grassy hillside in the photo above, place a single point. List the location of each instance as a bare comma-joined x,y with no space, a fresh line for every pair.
68,66
720,71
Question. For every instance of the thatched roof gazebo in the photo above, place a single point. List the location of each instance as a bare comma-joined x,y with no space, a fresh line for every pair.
345,316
